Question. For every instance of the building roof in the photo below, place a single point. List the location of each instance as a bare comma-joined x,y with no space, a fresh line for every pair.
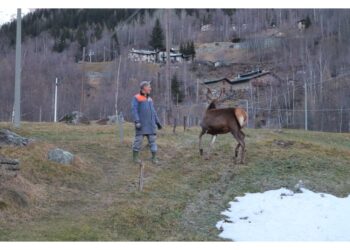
173,53
240,78
143,52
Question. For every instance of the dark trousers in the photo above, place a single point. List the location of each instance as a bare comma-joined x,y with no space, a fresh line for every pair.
137,145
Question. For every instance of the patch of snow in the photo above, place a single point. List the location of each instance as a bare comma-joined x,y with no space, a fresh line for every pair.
282,215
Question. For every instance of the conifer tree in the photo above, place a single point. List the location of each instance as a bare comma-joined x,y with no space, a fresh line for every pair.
177,94
192,50
157,37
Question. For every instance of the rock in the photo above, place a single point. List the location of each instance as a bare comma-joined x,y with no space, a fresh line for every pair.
75,118
102,121
9,138
109,120
17,198
283,144
204,63
217,64
9,164
299,186
8,169
3,205
112,119
60,156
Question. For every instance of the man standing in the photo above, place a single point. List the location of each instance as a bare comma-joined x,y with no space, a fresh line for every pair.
146,121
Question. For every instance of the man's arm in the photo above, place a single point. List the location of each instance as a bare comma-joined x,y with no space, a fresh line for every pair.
134,110
156,116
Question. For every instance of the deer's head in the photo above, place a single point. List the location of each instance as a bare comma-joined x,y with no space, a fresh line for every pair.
213,102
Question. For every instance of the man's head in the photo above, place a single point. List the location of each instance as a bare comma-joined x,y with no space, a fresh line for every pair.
145,87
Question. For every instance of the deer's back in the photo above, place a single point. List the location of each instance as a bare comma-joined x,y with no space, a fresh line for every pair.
221,121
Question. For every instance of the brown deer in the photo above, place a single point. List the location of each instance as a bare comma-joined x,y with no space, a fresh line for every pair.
221,121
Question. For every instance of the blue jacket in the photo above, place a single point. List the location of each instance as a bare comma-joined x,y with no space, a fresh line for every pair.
143,111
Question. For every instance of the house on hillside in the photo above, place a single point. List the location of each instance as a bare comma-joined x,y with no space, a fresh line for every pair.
304,24
151,56
207,27
174,57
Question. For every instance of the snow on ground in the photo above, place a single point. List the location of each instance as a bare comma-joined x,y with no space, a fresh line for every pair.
282,215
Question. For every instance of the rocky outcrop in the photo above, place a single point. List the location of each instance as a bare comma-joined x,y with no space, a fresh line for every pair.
9,164
8,168
60,156
109,120
75,118
10,138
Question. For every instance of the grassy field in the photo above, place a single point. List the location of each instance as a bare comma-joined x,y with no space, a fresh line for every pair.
97,197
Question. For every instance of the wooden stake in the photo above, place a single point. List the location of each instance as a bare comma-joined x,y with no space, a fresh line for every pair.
174,126
142,167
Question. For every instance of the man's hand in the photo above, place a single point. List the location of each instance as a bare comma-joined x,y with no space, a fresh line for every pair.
137,125
159,126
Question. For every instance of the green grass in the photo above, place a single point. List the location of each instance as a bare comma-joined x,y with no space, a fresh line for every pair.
97,198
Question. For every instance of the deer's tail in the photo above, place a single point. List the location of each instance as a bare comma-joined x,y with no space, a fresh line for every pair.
241,117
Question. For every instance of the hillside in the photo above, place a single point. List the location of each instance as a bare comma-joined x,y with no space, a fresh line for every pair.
97,197
301,47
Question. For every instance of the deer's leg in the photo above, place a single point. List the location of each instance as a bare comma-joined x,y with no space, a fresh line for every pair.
235,158
213,138
200,142
238,136
242,136
237,150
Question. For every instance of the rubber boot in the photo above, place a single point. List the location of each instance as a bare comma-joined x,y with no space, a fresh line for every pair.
135,157
154,158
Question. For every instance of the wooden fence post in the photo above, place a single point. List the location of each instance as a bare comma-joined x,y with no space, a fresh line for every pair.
142,167
174,126
121,127
164,118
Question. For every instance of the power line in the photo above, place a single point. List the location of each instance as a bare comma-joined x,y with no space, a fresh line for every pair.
300,87
310,84
303,110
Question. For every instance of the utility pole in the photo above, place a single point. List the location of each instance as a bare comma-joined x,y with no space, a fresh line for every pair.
40,114
305,87
117,85
55,116
91,53
167,41
82,83
197,91
104,53
17,105
341,119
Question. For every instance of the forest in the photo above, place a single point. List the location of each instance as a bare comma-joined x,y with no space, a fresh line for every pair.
307,49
